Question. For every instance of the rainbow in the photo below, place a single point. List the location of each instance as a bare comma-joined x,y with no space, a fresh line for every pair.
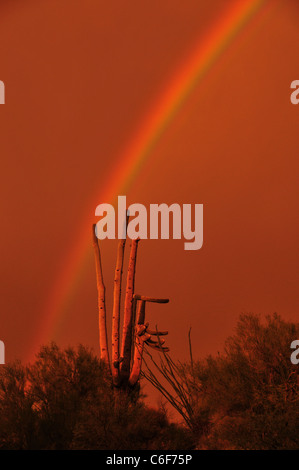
129,163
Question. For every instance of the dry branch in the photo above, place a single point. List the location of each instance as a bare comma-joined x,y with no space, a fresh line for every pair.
150,299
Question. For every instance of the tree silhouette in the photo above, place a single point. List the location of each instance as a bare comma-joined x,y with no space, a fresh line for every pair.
64,400
245,398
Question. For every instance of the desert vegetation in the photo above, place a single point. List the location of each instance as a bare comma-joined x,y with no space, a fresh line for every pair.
244,398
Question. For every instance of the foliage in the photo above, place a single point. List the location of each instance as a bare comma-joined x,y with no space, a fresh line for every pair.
131,427
245,398
65,400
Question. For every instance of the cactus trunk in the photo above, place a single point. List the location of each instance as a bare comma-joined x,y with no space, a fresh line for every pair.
101,300
116,310
139,345
128,314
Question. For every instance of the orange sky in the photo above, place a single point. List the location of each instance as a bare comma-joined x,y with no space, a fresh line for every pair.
80,76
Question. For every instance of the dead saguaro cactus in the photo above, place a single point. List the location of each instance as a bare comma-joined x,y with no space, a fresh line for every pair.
126,361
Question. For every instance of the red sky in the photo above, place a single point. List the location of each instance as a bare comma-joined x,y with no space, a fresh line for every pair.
80,77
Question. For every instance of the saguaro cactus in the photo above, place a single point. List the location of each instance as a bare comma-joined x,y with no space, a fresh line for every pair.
125,369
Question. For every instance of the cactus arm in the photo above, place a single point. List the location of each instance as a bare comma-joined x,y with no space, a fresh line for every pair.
101,299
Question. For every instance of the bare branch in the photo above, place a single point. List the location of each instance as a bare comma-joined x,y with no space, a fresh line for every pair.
150,299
